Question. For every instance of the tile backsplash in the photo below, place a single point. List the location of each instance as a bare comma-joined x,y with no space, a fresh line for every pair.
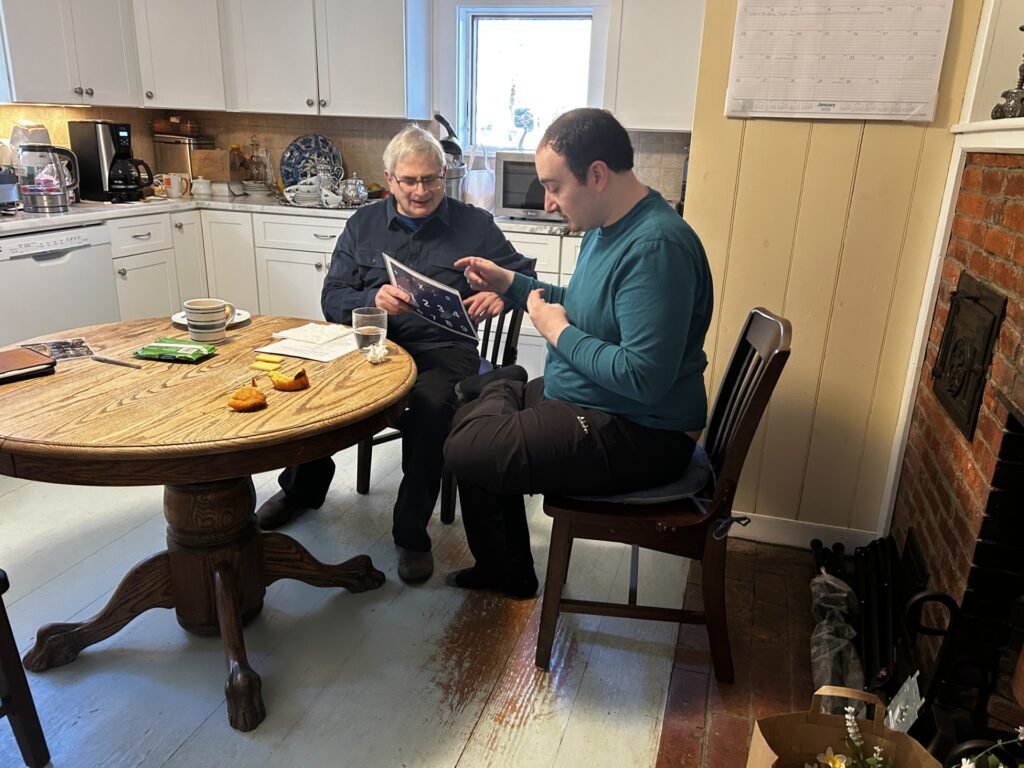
659,157
56,121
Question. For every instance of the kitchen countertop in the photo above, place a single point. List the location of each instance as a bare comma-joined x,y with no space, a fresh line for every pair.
90,212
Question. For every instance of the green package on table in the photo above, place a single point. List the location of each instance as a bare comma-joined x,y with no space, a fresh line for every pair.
176,351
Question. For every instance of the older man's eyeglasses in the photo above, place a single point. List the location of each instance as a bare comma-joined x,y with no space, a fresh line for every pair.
410,183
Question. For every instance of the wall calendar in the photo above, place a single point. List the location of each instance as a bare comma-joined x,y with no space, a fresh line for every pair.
841,59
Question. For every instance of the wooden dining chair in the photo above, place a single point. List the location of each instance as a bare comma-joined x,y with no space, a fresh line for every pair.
499,346
690,517
15,697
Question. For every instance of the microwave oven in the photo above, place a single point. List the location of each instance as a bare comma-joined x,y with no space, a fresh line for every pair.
518,192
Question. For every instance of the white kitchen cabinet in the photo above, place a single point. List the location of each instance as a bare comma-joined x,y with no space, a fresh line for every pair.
532,354
394,79
651,65
290,282
147,285
145,273
570,255
230,258
270,56
64,52
189,256
296,233
140,234
545,249
342,58
180,54
292,259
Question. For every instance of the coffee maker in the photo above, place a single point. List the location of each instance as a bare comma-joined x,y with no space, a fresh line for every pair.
108,170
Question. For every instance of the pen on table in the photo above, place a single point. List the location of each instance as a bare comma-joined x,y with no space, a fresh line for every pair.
112,361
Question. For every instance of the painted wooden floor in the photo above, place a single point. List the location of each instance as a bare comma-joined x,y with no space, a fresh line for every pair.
401,676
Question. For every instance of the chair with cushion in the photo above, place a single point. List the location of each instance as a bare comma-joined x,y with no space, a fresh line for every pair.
499,344
15,697
690,517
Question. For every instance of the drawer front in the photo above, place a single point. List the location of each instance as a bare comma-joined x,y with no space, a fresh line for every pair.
544,248
140,234
296,233
570,255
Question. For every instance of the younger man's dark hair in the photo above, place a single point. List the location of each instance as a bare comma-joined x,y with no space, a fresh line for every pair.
584,135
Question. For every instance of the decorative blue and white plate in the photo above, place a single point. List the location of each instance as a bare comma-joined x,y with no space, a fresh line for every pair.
309,156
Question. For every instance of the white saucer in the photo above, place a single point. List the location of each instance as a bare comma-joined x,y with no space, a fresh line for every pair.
241,316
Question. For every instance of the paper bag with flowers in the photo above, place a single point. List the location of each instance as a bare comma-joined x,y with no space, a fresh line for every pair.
815,739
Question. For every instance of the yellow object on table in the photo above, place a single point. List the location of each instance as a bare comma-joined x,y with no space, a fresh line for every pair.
260,365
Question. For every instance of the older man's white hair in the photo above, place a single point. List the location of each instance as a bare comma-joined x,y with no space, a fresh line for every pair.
412,141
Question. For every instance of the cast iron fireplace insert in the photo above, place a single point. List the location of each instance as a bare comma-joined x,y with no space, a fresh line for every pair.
965,353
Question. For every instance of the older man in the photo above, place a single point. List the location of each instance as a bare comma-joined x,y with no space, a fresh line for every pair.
622,399
419,226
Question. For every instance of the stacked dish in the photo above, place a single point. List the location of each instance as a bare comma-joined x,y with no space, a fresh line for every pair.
304,195
257,188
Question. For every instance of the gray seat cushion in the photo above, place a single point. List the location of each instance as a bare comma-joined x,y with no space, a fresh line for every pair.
696,476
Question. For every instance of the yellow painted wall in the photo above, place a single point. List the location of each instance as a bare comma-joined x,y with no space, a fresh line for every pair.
831,224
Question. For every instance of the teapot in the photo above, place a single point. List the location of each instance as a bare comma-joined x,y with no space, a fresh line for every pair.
353,191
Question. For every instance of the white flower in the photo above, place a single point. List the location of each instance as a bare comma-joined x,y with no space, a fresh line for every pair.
832,760
1020,733
966,763
852,729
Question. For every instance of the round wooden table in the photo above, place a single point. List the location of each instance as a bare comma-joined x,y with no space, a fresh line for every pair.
168,424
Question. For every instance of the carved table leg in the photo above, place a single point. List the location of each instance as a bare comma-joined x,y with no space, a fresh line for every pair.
145,586
243,686
208,524
285,558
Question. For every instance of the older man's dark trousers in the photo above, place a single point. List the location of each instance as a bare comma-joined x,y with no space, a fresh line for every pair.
424,426
512,440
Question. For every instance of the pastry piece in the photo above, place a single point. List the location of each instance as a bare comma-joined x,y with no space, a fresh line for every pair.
247,398
287,383
260,365
263,357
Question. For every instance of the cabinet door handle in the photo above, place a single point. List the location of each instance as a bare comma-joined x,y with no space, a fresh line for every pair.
122,272
319,265
79,90
89,91
323,102
143,236
318,236
149,94
310,102
179,226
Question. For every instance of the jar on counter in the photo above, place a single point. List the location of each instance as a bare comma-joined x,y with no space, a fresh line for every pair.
238,165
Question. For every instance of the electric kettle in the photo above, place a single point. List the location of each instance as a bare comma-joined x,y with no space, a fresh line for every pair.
46,182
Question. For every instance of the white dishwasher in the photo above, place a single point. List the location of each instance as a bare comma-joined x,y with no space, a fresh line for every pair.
54,280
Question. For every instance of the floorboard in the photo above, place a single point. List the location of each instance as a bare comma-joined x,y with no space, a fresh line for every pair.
422,675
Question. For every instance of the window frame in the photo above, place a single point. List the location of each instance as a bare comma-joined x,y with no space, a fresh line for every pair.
468,16
453,55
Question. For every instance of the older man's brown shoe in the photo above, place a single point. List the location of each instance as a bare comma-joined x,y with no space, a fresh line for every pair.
278,510
414,566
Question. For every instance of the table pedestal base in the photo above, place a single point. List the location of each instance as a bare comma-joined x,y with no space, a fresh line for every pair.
214,573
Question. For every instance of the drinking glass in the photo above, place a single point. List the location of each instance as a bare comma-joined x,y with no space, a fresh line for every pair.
370,326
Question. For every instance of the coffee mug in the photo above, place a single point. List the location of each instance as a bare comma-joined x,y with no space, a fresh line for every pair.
208,319
202,187
175,184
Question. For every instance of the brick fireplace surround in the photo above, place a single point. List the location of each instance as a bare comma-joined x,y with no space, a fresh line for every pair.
965,499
